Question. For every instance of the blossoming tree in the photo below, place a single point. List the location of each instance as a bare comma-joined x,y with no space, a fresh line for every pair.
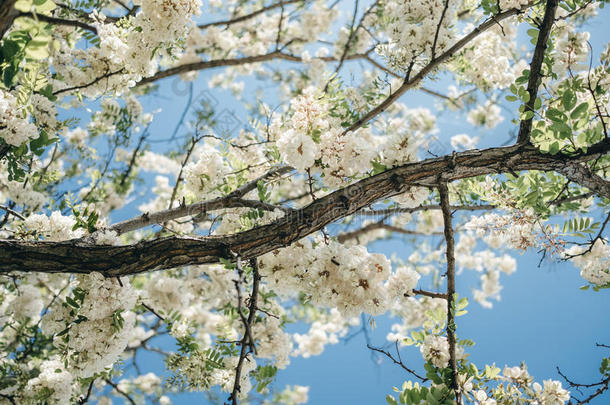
251,229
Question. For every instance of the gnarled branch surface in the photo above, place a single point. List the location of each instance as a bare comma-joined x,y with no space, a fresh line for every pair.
77,256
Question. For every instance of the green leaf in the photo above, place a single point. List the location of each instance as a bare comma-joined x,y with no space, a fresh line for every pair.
554,148
73,303
390,400
555,115
579,111
569,99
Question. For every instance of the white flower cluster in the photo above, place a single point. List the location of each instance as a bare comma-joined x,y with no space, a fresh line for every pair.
463,142
53,381
416,28
194,370
129,49
347,278
27,303
416,313
489,61
552,393
594,265
159,25
487,262
55,227
518,386
97,340
203,177
167,293
148,383
405,130
45,113
487,115
324,331
571,52
435,349
515,230
312,137
294,395
507,4
15,125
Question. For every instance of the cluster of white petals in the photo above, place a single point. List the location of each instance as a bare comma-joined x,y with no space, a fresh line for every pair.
54,227
53,378
89,335
435,349
129,49
324,331
347,278
594,264
487,115
419,30
15,123
490,62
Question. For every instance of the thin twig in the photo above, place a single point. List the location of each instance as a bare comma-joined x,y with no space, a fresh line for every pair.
247,341
398,362
450,254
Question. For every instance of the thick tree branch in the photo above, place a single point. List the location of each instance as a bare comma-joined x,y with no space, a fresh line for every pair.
8,13
581,174
535,68
400,210
78,256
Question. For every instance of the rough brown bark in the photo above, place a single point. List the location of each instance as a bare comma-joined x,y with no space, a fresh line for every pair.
8,13
79,257
536,67
451,304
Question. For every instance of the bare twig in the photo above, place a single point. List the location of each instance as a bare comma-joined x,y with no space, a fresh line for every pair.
58,21
117,389
397,361
250,15
12,212
247,341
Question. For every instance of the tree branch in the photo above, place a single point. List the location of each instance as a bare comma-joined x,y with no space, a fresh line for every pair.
250,15
8,13
231,200
79,256
451,304
58,21
247,340
535,68
397,361
433,64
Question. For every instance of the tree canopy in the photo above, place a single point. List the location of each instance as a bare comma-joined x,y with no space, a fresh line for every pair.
208,243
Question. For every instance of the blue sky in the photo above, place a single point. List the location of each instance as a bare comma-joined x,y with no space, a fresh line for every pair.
543,317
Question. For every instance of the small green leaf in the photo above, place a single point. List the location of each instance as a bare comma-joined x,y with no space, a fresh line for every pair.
568,100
